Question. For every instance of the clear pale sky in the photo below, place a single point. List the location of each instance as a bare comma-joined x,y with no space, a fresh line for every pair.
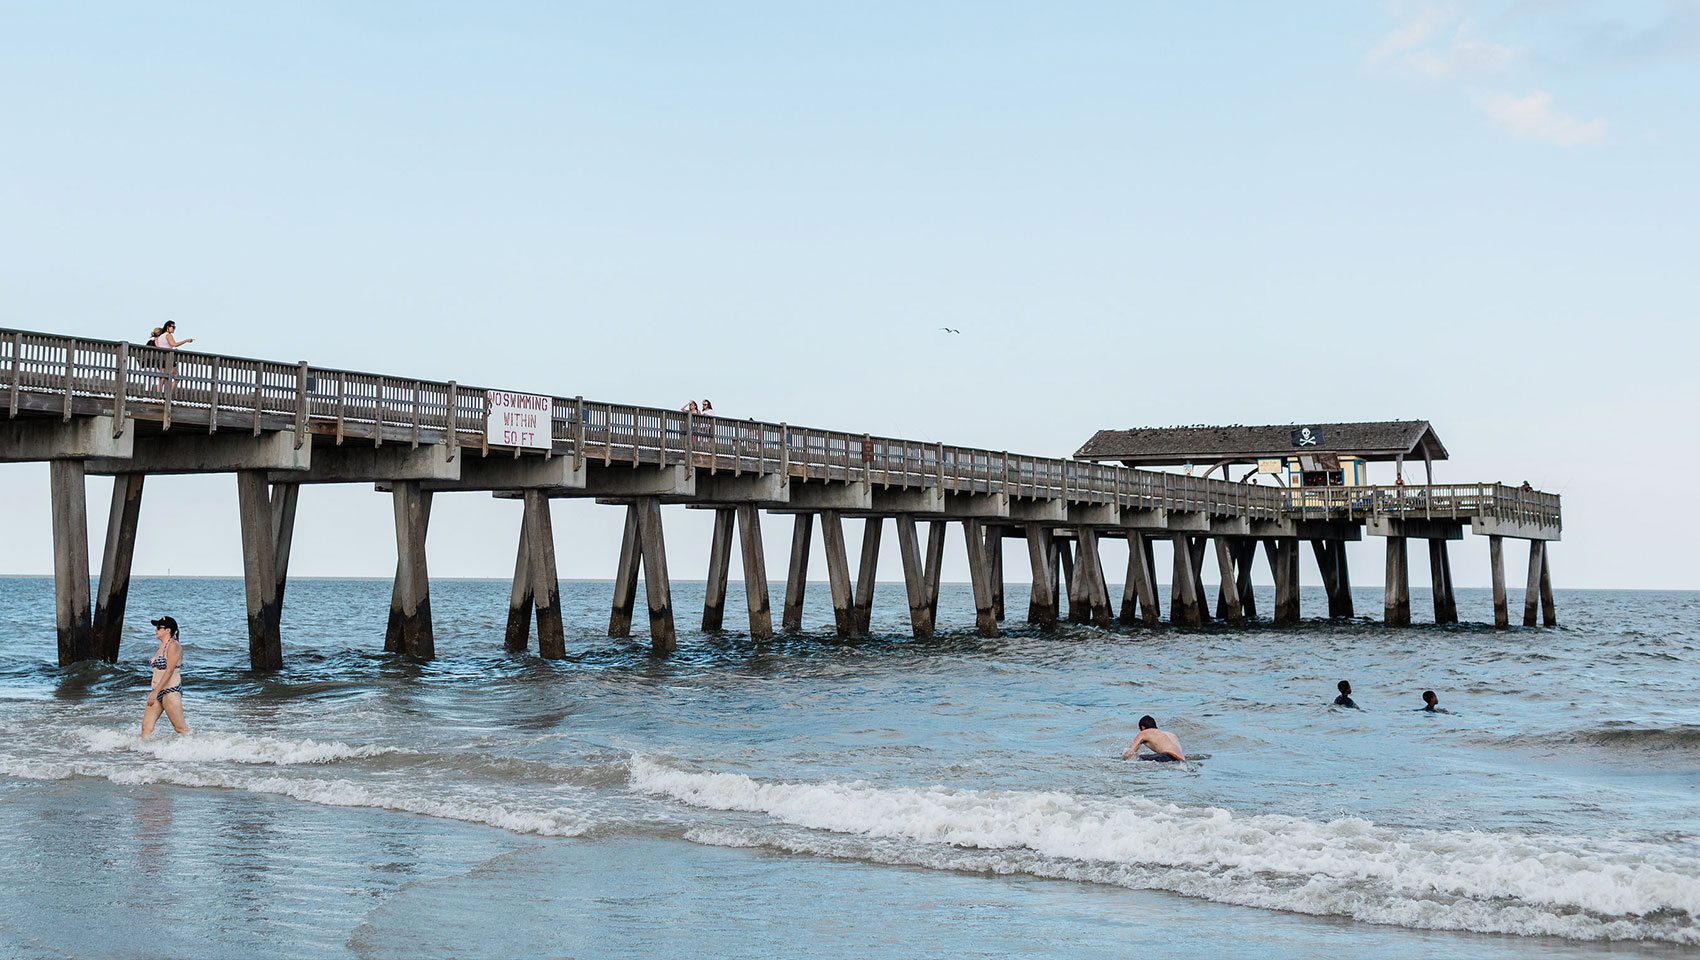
1479,214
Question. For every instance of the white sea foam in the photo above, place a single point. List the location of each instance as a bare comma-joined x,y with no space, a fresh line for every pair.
556,821
228,747
1485,882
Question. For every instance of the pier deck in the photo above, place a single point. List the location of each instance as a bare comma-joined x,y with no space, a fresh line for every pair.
123,409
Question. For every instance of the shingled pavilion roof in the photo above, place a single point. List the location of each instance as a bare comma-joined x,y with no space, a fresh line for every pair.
1160,446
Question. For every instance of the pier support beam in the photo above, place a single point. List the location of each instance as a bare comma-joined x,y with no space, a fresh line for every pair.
1139,589
395,640
518,634
797,578
1340,604
1336,580
719,562
994,559
1496,556
545,598
980,574
626,576
1183,586
1065,567
1287,602
755,572
934,567
259,568
838,574
115,565
285,495
1199,545
410,604
863,608
914,577
1539,590
1440,577
1396,594
1042,599
1228,597
1092,576
1549,609
657,587
1246,550
71,561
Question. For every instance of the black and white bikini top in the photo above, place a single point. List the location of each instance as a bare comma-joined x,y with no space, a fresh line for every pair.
160,663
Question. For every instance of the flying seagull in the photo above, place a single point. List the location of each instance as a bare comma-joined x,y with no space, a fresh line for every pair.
949,330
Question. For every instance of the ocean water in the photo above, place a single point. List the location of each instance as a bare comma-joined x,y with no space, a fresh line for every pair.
879,798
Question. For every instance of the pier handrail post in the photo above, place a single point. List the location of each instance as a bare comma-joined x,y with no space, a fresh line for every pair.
70,375
940,453
452,420
212,409
690,439
259,374
341,404
120,386
416,391
300,403
784,450
17,371
578,432
867,460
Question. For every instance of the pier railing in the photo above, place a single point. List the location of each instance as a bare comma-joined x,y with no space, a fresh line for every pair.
1426,502
48,373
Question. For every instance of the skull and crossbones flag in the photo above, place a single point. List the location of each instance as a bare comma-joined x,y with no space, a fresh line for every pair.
1307,437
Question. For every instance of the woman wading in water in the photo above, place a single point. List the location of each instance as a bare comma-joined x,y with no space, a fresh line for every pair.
166,693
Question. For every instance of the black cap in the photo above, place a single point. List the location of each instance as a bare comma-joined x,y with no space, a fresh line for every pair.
167,623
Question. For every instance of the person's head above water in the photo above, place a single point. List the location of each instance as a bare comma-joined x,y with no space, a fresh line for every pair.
1345,687
1147,722
1429,698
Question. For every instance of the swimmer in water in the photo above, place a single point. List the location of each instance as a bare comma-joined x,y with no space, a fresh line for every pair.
1431,703
1168,748
1345,697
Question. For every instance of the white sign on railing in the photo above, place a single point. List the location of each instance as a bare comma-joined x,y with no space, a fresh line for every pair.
518,419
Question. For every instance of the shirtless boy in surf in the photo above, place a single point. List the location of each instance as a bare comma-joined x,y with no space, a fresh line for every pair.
1163,742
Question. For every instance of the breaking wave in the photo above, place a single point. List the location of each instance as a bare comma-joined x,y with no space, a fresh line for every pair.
1483,882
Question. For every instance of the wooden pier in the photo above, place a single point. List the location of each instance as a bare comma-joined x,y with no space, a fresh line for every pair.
92,406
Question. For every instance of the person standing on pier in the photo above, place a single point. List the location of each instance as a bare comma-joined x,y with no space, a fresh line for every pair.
165,694
165,337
